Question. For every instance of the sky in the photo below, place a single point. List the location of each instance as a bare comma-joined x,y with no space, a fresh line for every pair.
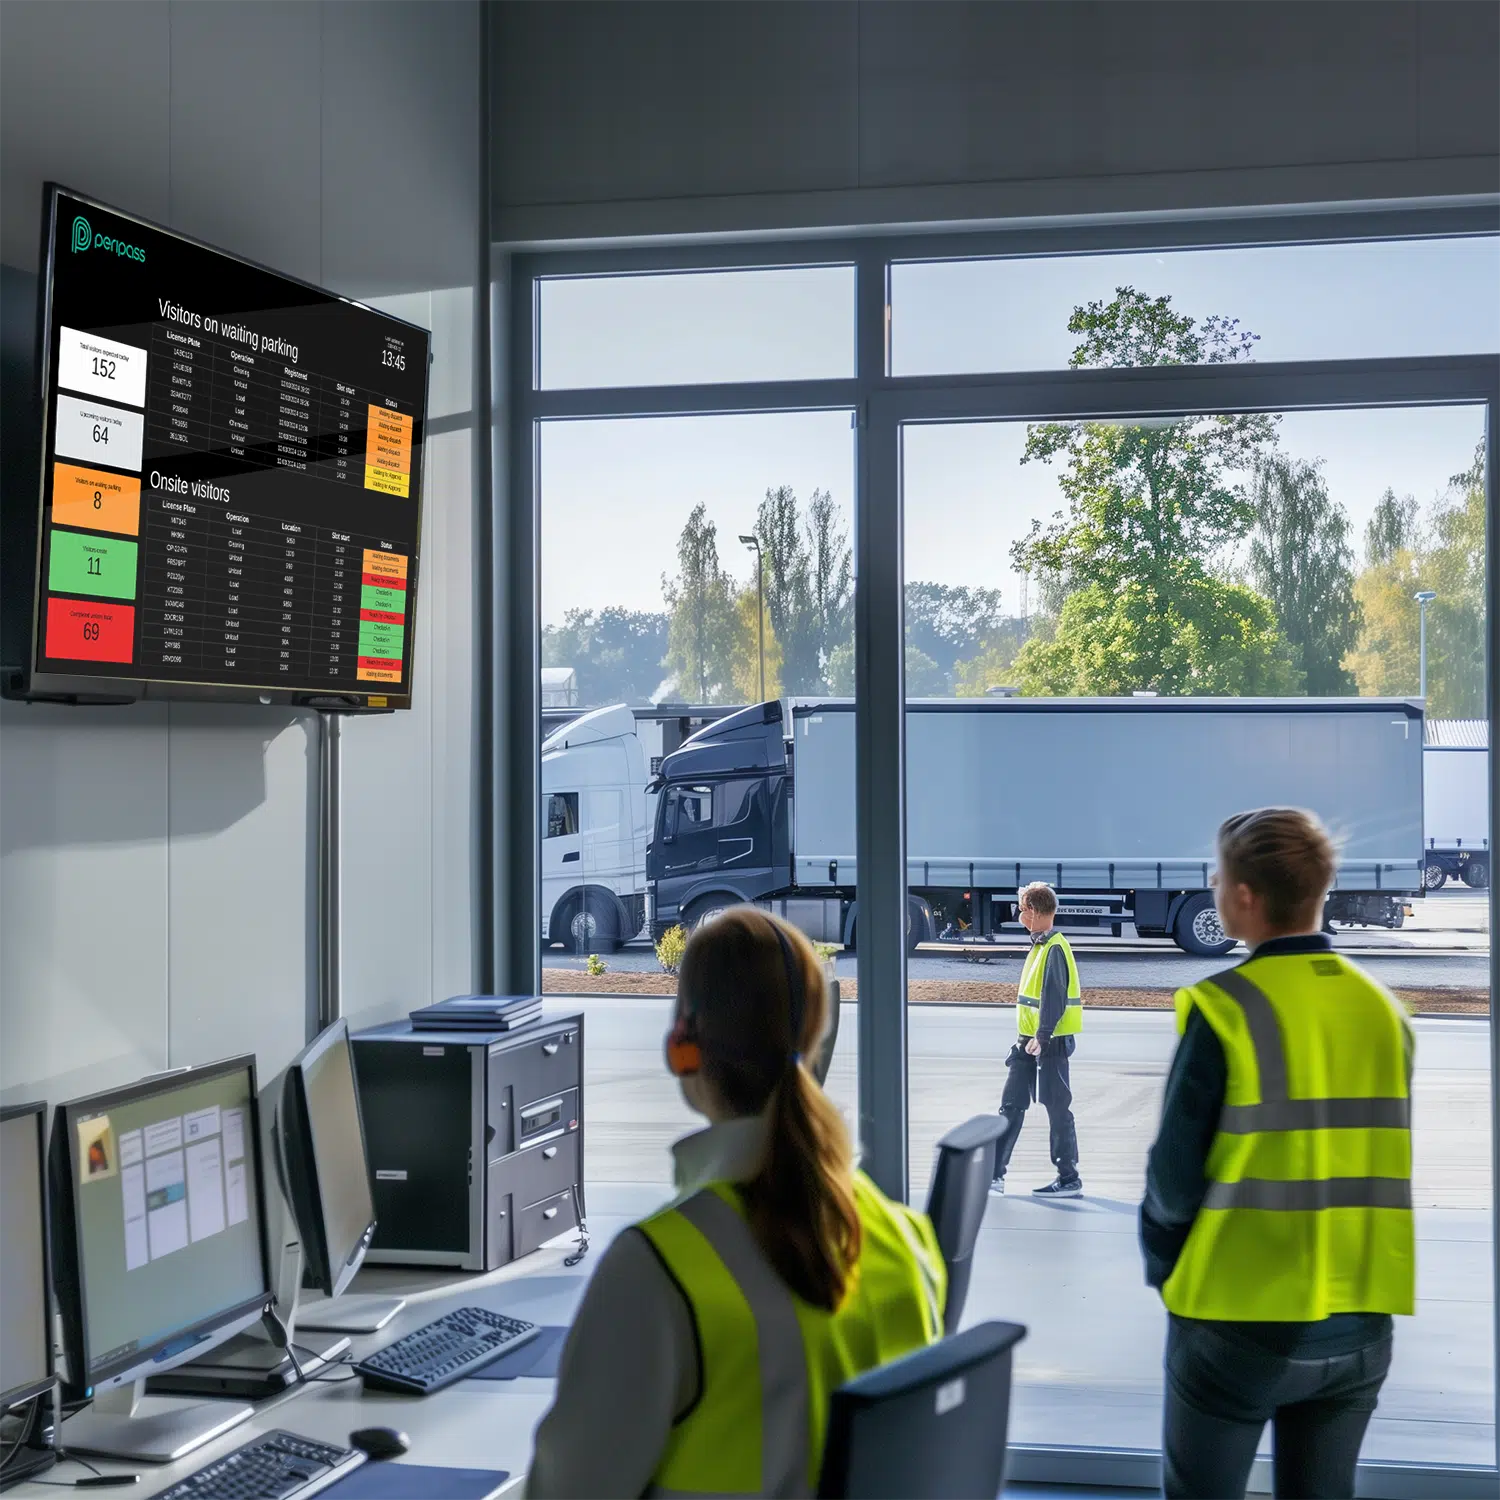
615,494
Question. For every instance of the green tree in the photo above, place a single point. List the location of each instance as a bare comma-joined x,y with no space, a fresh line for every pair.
830,582
1300,560
700,636
744,658
787,592
995,663
1392,528
1153,515
618,654
945,622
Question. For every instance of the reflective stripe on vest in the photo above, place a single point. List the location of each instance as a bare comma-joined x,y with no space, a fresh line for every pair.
769,1362
1308,1210
1029,991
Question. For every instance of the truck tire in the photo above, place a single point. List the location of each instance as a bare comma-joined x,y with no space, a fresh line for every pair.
1477,874
1434,876
705,909
592,925
919,923
1197,928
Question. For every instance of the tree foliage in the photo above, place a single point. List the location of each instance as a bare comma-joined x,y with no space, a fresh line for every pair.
1392,528
1446,555
1154,511
700,638
1301,562
744,662
618,654
946,623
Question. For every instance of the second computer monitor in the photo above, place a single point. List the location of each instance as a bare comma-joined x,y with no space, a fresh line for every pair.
322,1143
156,1192
25,1287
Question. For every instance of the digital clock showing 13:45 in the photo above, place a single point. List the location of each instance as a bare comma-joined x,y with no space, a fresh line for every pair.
392,359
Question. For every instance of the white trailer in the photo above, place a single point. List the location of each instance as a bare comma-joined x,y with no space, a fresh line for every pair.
1456,803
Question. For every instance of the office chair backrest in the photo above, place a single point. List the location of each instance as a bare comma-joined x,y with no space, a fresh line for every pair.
957,1199
927,1427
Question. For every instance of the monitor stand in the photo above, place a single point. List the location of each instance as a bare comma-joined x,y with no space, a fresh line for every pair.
358,1314
127,1423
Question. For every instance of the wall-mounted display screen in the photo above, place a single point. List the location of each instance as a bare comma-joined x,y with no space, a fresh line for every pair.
231,477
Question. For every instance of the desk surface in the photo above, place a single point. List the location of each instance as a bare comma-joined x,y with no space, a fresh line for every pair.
474,1424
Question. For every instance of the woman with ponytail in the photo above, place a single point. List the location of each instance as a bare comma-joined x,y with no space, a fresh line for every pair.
714,1332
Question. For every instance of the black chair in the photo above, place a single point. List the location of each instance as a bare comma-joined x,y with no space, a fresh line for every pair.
957,1199
931,1426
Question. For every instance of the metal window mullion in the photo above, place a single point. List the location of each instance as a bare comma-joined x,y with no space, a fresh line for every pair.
745,398
879,753
1492,695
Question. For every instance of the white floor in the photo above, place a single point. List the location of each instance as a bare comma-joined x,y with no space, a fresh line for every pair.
1071,1271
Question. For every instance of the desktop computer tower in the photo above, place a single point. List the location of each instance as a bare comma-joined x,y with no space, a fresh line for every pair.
475,1140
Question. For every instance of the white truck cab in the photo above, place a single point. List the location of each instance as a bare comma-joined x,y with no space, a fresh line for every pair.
594,832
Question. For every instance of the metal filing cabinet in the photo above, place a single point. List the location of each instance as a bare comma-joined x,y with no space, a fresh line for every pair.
475,1140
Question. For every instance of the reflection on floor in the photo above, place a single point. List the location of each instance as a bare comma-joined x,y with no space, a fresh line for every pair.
1071,1270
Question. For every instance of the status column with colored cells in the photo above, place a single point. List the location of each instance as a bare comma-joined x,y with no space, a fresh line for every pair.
388,452
382,617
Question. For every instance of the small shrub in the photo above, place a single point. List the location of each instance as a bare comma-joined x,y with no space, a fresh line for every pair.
596,965
825,951
670,947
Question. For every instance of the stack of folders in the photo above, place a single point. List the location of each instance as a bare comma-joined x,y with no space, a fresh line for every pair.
479,1013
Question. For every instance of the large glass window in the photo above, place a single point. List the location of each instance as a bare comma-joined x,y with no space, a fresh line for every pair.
691,567
1301,302
1118,633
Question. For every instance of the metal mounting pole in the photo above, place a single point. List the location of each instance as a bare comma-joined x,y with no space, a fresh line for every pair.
330,997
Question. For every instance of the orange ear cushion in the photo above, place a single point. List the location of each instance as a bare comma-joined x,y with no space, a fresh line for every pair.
683,1056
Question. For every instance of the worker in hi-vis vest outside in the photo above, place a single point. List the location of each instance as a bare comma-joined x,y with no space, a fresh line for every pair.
1277,1221
713,1334
1049,1015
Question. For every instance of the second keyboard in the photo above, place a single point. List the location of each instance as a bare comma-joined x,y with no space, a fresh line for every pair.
445,1350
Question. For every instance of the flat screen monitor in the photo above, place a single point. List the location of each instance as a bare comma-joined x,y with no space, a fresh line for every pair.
26,1365
156,1193
321,1139
231,477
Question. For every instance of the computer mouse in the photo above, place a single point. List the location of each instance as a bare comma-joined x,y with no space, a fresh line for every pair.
380,1442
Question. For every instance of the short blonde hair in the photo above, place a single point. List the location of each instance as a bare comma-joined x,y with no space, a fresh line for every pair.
1039,897
1284,854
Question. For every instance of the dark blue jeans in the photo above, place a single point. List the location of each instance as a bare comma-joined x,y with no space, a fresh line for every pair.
1221,1391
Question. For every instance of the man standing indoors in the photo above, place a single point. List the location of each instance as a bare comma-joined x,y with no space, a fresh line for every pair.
1049,1014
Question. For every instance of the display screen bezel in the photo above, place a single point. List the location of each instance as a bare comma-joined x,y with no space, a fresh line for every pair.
65,1135
38,1115
81,687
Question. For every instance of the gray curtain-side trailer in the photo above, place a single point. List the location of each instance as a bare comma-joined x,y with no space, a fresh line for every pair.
1114,801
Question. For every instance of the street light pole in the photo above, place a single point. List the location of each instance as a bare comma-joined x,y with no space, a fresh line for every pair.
760,609
1424,597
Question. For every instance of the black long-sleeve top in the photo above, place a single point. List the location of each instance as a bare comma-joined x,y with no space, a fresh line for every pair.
1177,1180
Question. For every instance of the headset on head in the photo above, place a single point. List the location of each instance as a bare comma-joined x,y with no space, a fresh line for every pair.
685,1052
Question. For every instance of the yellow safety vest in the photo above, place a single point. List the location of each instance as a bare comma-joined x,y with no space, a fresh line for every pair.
1308,1211
770,1362
1033,971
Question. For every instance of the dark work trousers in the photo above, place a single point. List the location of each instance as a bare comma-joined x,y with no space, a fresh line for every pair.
1044,1079
1221,1390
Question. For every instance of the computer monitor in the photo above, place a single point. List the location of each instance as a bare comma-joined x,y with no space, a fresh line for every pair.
27,1368
159,1250
320,1136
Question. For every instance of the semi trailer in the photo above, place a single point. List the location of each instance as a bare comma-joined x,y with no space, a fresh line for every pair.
1113,801
1456,797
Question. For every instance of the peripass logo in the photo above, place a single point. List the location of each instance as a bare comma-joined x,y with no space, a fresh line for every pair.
84,238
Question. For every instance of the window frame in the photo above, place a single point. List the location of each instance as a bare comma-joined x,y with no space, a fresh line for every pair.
883,405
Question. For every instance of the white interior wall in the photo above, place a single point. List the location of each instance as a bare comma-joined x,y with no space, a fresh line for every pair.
157,862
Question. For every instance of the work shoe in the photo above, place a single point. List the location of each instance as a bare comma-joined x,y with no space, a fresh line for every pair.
1064,1187
997,1187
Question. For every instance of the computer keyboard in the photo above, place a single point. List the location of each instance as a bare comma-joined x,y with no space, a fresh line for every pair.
446,1350
275,1466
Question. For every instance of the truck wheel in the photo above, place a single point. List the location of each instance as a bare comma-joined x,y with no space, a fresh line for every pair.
1434,877
705,909
919,923
1198,929
1477,874
593,926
